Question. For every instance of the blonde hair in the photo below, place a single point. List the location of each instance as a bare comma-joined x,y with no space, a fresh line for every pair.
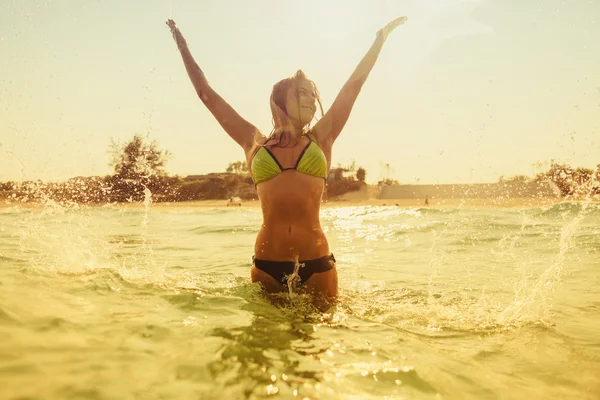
281,121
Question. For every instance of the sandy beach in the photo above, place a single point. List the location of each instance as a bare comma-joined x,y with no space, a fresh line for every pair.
407,203
410,203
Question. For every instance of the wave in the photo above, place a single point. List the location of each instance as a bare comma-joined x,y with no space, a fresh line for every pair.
202,230
451,314
4,258
569,208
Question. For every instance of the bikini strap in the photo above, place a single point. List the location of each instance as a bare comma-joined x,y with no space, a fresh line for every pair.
311,137
265,143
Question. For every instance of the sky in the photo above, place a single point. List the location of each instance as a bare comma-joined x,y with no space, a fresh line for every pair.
464,91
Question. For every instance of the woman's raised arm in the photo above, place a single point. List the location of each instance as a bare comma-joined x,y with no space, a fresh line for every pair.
237,127
329,127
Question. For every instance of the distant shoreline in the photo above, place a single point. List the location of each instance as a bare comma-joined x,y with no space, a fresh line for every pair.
405,203
489,203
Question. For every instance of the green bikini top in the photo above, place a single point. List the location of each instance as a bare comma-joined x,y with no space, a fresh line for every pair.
312,161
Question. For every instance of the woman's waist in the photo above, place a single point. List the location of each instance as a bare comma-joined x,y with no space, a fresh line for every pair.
283,218
290,242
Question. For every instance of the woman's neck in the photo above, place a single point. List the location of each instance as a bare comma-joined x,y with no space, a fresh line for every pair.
287,137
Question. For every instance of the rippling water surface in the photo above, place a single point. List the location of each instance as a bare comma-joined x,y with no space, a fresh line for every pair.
128,303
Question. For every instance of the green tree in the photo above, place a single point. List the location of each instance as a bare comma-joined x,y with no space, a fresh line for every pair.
570,181
138,164
352,167
238,168
138,159
361,174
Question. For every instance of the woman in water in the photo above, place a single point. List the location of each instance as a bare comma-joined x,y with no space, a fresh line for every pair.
289,169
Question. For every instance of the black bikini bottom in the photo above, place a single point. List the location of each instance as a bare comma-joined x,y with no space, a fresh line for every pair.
281,270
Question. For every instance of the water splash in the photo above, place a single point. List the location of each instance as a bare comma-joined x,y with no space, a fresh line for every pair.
536,300
293,279
147,203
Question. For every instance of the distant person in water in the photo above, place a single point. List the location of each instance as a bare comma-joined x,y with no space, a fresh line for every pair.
289,168
426,201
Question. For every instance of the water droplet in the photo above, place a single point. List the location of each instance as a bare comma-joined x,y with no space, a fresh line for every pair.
272,389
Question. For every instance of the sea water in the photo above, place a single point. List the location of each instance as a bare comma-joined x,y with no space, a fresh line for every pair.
122,302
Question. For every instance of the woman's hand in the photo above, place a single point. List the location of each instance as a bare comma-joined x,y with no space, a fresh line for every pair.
179,39
386,30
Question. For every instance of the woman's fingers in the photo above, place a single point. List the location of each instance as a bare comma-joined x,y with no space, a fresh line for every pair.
385,31
171,24
395,23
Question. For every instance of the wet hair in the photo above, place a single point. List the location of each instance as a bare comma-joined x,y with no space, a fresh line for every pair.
281,121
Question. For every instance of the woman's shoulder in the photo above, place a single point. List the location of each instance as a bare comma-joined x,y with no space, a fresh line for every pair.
262,141
259,141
